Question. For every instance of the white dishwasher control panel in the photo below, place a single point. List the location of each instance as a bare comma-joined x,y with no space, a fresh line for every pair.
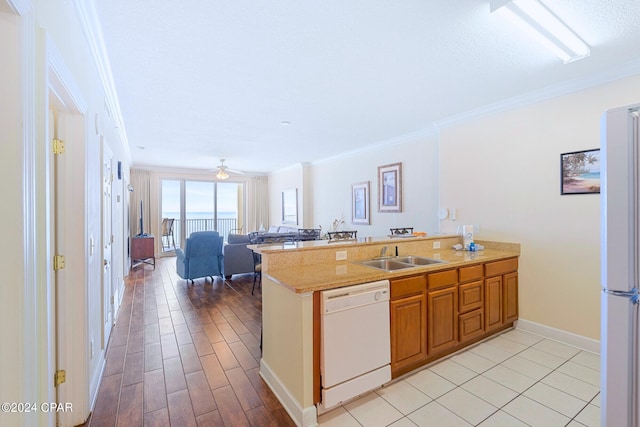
354,296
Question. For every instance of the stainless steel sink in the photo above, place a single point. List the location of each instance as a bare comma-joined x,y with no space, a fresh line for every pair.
400,263
418,260
388,264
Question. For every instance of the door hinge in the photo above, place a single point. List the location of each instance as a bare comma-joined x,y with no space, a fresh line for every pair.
59,377
58,146
58,262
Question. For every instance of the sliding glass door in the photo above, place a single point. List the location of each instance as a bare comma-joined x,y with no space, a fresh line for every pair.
202,206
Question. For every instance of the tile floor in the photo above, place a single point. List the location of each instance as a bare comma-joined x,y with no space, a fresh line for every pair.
515,379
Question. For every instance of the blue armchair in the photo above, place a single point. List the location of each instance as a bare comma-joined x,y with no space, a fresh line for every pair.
202,256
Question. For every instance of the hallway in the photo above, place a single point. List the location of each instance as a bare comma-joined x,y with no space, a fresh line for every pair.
186,355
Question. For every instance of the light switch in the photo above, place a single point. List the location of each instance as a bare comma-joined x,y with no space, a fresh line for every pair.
452,214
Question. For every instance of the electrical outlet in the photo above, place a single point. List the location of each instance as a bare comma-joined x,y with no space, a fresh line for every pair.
341,255
436,245
476,228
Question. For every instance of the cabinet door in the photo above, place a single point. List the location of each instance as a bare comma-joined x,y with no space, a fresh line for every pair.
493,302
510,297
408,331
442,308
470,296
471,325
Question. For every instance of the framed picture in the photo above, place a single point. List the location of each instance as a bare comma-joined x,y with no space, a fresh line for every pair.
390,188
360,203
580,172
290,206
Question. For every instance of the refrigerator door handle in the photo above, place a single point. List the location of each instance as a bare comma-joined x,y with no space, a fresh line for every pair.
633,295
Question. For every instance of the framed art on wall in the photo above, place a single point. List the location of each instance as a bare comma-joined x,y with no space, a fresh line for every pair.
580,172
390,188
360,203
290,206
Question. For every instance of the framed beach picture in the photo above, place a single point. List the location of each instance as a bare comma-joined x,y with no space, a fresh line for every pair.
390,188
360,203
580,172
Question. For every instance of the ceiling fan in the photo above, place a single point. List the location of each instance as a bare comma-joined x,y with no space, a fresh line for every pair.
223,171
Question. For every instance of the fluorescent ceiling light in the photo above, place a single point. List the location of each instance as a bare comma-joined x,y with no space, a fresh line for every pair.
540,22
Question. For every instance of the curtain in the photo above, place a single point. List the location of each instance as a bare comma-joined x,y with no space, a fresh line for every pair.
258,203
141,183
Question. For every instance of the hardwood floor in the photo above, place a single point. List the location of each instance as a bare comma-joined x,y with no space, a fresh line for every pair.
186,355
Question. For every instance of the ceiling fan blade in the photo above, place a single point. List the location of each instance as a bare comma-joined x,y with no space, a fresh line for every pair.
234,171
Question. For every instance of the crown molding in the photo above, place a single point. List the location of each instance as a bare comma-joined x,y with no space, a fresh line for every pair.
20,7
625,70
90,23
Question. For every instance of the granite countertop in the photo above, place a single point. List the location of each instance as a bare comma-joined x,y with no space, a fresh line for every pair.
310,278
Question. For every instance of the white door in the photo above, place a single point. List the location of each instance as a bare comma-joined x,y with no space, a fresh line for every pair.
107,240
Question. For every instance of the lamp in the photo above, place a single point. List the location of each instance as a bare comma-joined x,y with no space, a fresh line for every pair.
540,22
222,174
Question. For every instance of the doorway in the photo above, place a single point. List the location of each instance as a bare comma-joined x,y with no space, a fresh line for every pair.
66,226
107,241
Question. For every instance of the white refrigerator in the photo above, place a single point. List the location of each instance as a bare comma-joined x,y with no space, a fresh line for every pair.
620,266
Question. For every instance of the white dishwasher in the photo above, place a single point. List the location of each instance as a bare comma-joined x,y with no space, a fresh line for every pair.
355,341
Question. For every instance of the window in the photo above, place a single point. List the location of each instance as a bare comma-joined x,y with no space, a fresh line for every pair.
202,206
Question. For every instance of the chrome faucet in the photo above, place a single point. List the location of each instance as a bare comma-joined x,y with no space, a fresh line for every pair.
383,251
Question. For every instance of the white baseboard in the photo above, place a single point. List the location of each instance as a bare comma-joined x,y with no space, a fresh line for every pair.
303,417
95,381
584,343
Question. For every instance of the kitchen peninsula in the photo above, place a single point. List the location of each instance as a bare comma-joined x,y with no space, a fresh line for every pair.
435,309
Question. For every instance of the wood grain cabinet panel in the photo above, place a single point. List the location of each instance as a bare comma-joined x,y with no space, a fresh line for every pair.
442,310
471,325
470,296
493,303
408,286
442,279
408,331
510,297
468,274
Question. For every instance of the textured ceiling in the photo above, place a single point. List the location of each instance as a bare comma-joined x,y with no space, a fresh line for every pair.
200,80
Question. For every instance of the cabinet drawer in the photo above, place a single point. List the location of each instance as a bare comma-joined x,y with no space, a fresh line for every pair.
468,274
408,286
500,267
442,279
470,325
470,296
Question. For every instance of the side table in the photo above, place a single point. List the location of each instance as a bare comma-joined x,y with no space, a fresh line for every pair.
143,250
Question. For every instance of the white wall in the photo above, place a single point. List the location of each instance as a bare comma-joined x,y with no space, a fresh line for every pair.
285,179
332,180
503,172
46,23
11,247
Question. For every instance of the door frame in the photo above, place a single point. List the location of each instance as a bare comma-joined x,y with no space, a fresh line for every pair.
67,299
108,288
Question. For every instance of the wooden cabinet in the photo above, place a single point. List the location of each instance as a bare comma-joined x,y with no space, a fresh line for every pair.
438,313
510,297
408,322
470,302
442,309
501,293
493,303
143,251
